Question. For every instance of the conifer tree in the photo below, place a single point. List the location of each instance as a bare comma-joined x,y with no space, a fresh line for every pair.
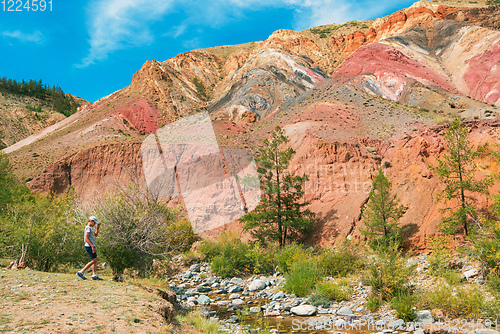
381,214
457,170
281,214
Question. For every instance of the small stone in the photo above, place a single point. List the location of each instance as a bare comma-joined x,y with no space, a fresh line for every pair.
232,319
380,323
419,331
234,296
485,331
195,268
237,302
424,317
471,274
397,323
257,285
203,300
278,295
236,280
203,288
235,288
344,311
340,324
255,309
304,310
223,302
192,292
188,275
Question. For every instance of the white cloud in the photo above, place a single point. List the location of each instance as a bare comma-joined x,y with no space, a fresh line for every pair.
35,37
116,24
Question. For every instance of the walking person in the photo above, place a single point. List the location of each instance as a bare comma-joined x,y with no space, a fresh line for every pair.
89,235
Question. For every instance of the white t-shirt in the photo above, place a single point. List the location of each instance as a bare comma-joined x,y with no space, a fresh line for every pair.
89,230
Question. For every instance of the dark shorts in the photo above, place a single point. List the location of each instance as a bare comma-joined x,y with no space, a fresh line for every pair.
92,255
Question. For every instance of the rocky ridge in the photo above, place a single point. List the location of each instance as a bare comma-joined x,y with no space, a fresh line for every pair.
390,81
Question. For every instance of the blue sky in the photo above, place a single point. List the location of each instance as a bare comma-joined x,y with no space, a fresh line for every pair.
91,48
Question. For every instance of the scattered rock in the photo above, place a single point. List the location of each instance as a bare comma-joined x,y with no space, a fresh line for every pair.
485,331
203,300
195,268
257,285
236,280
304,310
396,324
278,295
235,288
470,274
344,311
424,317
257,309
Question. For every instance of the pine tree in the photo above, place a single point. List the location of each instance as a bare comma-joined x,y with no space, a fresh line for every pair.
282,214
381,214
457,170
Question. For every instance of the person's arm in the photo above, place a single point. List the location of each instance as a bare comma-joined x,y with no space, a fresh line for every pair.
97,229
88,241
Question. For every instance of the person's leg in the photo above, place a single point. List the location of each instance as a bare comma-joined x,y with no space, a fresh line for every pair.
94,267
93,261
87,266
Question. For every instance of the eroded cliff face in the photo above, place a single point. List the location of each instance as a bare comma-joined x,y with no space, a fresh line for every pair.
340,176
92,172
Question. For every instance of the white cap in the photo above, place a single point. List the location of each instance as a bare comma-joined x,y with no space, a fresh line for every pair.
94,219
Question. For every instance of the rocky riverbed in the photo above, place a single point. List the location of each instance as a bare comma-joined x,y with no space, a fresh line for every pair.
258,302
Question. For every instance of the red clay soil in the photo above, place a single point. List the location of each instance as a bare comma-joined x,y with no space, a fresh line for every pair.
142,115
228,127
391,67
483,76
329,112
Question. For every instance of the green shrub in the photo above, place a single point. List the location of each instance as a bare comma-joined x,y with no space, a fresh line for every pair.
403,304
232,257
440,257
373,302
44,227
326,291
233,260
458,302
340,263
137,228
389,274
290,254
493,282
302,277
451,277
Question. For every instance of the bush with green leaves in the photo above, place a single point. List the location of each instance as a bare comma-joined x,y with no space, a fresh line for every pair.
459,302
403,304
346,260
138,228
232,257
389,274
302,277
331,290
46,229
290,254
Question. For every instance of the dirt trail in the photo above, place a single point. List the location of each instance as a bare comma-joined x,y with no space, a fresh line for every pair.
38,302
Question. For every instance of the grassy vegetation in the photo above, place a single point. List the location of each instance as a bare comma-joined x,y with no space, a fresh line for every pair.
201,323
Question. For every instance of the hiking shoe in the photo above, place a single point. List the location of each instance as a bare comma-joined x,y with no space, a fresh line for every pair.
96,278
81,275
